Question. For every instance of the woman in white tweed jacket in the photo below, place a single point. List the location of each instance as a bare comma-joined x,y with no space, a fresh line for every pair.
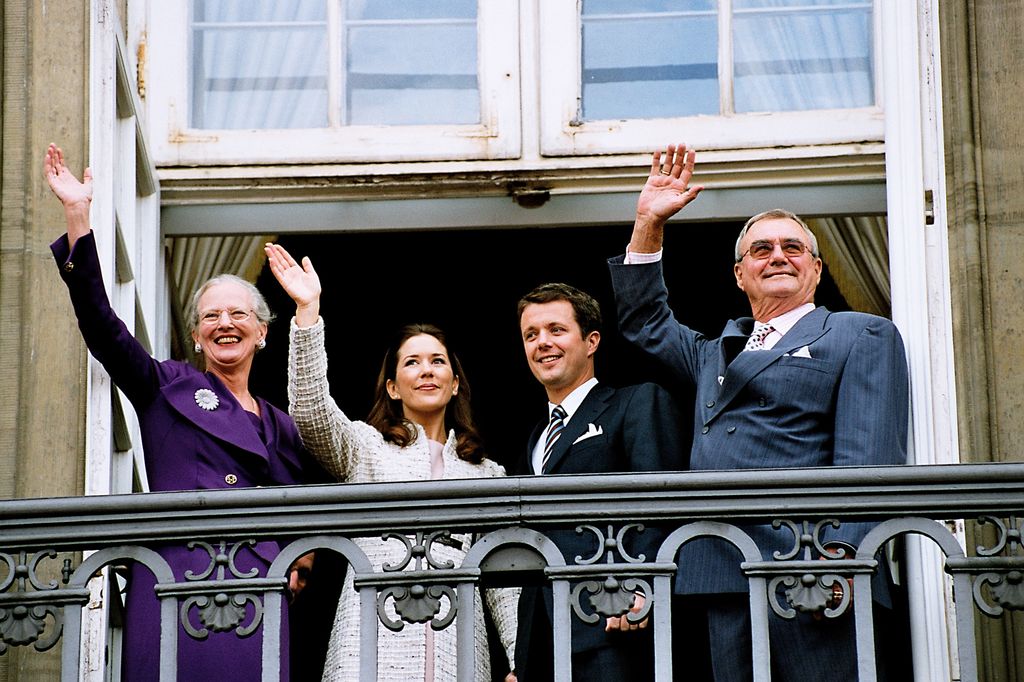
419,428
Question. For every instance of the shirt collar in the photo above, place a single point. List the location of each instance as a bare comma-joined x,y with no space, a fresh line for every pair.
573,401
784,322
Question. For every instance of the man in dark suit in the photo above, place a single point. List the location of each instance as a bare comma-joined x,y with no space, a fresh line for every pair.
589,428
791,386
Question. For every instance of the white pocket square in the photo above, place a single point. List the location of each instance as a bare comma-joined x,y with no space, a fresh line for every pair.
804,352
590,433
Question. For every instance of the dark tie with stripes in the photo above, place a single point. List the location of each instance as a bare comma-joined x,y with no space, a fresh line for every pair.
555,427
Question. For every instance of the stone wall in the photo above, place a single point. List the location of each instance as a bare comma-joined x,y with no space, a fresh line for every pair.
982,82
42,357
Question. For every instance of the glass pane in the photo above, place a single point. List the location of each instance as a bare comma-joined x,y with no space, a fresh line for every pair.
770,4
411,70
649,59
259,64
410,9
795,55
258,10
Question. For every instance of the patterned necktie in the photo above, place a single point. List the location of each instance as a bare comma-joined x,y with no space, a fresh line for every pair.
555,427
756,340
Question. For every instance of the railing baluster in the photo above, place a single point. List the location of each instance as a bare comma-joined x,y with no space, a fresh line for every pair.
168,639
561,631
662,622
368,634
271,636
864,624
70,650
761,653
464,624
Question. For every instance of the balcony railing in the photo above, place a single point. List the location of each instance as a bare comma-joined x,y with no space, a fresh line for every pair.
511,519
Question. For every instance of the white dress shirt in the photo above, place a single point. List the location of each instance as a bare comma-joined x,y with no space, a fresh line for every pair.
571,403
783,323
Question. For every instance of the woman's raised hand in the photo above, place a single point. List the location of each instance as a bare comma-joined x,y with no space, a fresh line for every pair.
76,196
63,182
299,281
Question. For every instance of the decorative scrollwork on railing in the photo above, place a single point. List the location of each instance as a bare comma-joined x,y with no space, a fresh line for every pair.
22,613
222,613
1006,589
1009,539
806,538
224,609
417,604
420,550
221,559
1003,566
825,593
611,543
811,590
612,597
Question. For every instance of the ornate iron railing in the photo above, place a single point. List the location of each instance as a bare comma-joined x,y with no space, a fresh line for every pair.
511,517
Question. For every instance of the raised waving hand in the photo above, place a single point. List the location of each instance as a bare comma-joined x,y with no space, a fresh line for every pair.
75,195
299,281
665,193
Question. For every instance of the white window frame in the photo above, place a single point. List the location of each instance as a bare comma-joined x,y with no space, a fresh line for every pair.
497,136
564,134
921,299
125,216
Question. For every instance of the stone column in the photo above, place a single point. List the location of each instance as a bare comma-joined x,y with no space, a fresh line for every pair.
982,82
42,357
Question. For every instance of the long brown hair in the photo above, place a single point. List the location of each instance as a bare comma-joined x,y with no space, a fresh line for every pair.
387,415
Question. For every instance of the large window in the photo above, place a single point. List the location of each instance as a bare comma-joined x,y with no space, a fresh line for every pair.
661,59
724,74
316,64
340,81
335,80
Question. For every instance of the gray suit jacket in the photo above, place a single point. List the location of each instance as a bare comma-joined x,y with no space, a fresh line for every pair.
832,392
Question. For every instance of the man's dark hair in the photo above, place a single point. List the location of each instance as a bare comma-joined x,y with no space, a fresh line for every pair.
585,309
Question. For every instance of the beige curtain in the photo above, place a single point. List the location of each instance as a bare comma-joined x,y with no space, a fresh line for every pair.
856,250
193,260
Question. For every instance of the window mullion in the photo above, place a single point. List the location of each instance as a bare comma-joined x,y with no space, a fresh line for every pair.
725,56
337,111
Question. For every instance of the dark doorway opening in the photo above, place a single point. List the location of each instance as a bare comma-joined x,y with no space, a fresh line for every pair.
468,283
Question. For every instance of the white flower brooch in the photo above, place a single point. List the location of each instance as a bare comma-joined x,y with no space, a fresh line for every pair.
207,399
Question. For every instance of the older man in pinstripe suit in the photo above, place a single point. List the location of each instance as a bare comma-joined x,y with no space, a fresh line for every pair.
792,386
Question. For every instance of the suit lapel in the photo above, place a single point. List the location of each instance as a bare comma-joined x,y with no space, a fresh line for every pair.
589,410
809,329
748,365
228,422
732,341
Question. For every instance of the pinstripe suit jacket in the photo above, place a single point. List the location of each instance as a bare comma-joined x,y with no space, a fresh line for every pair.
844,405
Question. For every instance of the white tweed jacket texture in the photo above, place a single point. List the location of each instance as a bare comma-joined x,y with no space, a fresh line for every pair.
354,451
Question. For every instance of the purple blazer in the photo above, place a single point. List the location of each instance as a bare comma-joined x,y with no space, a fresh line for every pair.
186,448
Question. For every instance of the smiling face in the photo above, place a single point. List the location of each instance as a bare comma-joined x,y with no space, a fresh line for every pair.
227,343
779,283
558,353
424,379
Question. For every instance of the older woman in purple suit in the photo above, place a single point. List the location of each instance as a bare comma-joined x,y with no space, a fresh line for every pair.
200,430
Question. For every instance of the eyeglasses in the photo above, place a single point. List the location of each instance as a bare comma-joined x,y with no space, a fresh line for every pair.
763,249
212,317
